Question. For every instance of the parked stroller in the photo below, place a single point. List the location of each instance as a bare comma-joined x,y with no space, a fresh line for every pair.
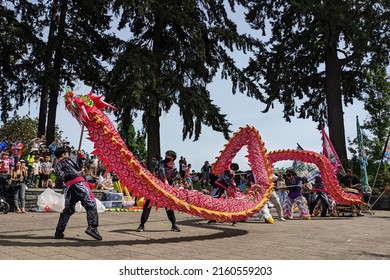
4,206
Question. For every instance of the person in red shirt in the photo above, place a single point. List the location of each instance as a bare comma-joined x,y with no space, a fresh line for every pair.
5,167
188,178
16,150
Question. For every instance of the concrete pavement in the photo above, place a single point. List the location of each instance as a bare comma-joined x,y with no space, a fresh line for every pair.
30,237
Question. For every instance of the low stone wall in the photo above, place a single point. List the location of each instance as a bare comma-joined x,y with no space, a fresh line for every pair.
32,196
382,204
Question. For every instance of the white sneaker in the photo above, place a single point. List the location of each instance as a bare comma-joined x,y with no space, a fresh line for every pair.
282,219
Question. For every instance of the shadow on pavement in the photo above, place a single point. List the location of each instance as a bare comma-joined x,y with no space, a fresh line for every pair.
227,231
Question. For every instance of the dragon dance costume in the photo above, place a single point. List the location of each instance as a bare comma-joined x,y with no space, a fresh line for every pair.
265,213
293,183
225,186
165,173
319,196
91,111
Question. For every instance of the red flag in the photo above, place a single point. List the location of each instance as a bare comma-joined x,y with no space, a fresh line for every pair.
329,151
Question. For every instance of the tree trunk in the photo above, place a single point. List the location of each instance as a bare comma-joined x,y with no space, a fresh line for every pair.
334,102
47,71
42,112
51,117
47,78
58,61
153,113
153,134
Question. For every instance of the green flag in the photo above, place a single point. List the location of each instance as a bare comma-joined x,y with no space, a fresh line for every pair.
362,158
386,152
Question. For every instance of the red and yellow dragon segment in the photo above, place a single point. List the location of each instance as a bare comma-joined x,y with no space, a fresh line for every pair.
90,110
262,167
329,177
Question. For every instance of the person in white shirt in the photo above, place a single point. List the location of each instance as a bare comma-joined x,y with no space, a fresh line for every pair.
36,166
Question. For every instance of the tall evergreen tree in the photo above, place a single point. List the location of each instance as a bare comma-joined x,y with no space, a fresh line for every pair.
18,46
175,50
316,55
78,44
47,45
377,104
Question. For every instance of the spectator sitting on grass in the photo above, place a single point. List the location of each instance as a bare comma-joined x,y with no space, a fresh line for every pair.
105,182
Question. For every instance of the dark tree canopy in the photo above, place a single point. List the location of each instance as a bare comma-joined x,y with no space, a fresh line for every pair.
148,56
376,129
176,48
47,46
317,54
18,46
377,104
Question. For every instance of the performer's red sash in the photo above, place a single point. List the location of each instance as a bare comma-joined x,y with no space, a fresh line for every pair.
74,181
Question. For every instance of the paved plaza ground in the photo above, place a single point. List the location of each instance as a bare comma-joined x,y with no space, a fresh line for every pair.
30,237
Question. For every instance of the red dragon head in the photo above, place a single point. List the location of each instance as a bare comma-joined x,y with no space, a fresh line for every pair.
81,105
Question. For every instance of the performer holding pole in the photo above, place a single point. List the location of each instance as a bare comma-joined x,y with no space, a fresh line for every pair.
167,173
225,186
69,173
294,183
319,195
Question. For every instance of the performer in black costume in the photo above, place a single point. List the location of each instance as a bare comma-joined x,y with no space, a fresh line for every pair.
224,185
167,173
319,194
351,181
69,174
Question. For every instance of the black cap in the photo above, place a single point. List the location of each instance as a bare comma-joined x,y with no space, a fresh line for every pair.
234,167
59,151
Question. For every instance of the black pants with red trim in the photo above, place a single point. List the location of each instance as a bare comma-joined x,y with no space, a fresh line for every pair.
146,212
73,194
323,198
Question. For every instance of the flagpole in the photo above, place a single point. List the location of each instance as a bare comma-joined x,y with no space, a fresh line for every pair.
81,137
362,158
373,185
377,171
